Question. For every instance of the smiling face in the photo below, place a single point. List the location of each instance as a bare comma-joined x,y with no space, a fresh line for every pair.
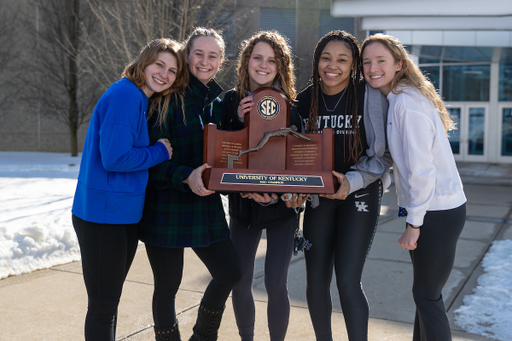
380,67
262,66
204,59
334,67
161,74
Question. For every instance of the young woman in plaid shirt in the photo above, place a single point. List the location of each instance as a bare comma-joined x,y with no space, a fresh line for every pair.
179,211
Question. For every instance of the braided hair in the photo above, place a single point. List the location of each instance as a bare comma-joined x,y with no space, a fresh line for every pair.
352,91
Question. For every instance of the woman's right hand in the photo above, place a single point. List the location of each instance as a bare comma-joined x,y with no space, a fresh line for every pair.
167,145
244,107
409,240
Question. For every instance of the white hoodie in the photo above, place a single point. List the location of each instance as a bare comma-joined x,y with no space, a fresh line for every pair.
426,176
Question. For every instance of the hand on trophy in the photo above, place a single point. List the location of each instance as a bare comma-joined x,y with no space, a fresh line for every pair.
294,200
244,107
344,189
195,181
263,198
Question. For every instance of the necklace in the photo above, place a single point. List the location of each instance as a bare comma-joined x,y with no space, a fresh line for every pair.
323,98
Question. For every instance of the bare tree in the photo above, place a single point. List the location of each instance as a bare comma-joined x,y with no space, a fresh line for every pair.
8,42
127,25
56,83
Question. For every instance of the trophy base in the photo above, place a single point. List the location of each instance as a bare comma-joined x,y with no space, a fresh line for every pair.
257,180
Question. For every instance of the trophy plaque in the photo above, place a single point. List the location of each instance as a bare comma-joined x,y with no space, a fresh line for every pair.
268,155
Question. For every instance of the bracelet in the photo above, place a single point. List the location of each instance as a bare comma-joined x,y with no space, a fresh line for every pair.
414,227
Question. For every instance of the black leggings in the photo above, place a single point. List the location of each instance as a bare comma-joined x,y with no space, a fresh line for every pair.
432,261
277,262
107,253
341,233
167,263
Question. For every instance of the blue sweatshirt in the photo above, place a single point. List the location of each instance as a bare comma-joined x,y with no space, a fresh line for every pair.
116,157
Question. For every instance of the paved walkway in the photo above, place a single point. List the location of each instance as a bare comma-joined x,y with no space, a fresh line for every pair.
50,304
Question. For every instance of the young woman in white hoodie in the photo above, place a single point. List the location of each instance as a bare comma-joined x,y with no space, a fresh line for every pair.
426,178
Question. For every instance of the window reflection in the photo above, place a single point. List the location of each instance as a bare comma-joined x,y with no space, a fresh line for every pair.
506,132
454,135
432,73
476,129
466,83
505,92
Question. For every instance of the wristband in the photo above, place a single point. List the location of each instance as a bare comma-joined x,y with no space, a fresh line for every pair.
414,227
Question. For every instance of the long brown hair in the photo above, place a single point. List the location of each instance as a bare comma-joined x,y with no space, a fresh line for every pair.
159,102
410,75
352,91
283,56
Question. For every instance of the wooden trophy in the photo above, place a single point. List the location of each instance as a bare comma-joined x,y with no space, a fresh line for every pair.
268,155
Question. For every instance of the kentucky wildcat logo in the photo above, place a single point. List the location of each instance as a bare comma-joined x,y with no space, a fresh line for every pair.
268,107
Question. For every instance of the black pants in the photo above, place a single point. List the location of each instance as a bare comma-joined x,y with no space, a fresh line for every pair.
167,263
277,262
341,233
107,253
433,261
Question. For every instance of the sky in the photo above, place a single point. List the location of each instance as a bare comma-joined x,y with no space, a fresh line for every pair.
36,194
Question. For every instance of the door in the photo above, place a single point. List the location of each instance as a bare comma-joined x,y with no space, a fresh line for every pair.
505,132
469,142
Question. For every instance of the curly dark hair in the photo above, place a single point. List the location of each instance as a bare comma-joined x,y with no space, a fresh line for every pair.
352,91
283,56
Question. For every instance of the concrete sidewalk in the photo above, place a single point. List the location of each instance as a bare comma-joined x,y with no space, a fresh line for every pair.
51,304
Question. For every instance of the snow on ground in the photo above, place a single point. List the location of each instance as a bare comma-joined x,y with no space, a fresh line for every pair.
488,311
36,194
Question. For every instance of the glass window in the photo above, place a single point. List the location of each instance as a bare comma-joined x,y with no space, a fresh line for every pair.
466,83
432,73
280,19
476,130
329,23
430,54
506,132
505,92
467,54
454,135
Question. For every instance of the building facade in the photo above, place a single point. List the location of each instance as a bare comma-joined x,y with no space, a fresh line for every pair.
25,127
465,48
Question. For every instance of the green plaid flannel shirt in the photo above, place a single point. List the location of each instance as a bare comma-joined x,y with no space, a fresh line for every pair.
173,215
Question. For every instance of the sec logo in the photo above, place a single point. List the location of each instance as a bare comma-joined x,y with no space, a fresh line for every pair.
268,107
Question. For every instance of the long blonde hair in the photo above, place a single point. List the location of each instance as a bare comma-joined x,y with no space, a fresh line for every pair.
159,102
410,75
283,56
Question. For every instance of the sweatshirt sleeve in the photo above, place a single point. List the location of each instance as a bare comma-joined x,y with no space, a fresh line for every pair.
417,131
120,130
167,174
377,160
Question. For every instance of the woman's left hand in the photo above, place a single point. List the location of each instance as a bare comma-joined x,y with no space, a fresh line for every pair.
195,181
344,189
296,200
409,239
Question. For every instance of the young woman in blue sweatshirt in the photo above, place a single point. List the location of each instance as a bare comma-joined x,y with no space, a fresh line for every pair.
113,176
